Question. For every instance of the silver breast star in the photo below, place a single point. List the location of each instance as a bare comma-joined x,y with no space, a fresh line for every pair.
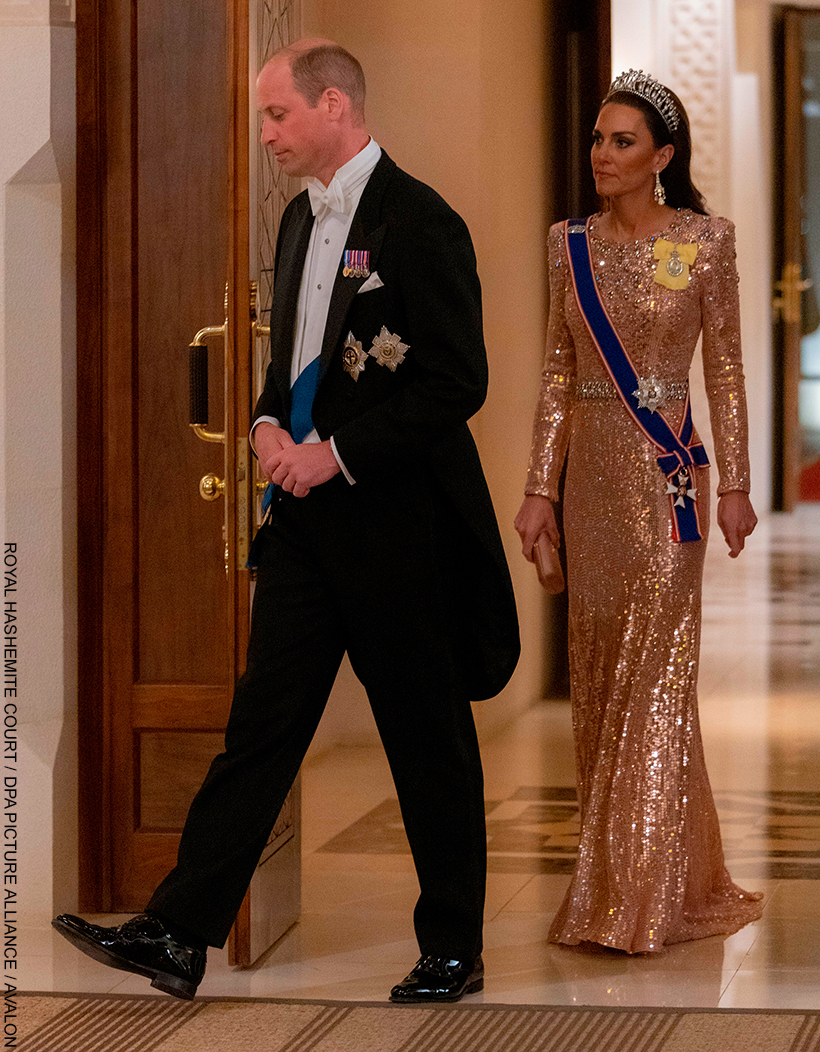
354,357
388,349
651,393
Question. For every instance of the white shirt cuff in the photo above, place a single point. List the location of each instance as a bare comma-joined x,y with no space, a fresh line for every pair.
256,423
340,462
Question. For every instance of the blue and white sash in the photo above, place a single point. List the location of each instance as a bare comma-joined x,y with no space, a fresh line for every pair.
678,453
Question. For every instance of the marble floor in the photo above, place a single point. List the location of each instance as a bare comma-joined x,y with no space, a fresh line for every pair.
760,674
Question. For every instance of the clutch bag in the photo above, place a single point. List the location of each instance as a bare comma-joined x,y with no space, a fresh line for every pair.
548,565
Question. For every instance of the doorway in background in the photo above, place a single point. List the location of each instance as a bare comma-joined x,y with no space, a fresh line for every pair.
796,229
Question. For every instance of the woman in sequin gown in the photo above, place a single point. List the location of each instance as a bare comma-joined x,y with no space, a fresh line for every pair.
650,868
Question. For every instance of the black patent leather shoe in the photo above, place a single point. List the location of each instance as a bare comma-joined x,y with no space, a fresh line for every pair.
439,979
142,945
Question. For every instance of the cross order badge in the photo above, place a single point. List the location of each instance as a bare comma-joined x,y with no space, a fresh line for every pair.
683,488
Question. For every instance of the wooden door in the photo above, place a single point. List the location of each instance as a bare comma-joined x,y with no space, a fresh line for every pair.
796,226
167,147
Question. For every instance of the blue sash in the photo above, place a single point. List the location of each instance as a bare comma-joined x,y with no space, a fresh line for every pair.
301,424
678,453
301,420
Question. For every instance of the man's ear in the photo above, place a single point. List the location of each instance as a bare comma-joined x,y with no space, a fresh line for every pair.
335,103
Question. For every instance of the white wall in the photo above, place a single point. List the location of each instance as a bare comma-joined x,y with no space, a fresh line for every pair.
634,35
752,212
38,426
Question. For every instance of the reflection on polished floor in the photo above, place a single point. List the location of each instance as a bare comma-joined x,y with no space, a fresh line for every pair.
760,673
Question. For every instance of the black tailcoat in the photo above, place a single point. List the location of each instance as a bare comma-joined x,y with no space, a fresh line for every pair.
386,422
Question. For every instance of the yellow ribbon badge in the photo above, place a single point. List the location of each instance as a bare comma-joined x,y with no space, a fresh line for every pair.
675,260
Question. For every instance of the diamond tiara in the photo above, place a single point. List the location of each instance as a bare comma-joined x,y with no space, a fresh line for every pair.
636,82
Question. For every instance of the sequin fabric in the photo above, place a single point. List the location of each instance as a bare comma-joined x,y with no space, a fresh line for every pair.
650,867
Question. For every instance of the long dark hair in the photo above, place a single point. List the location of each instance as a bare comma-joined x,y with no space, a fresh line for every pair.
681,192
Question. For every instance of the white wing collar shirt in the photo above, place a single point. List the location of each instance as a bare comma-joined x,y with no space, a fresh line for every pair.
333,209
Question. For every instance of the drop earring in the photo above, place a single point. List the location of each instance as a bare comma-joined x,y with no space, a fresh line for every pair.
660,193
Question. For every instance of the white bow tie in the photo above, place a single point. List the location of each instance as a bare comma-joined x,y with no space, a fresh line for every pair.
332,198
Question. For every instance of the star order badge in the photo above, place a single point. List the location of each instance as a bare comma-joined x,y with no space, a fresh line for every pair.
388,349
354,357
651,393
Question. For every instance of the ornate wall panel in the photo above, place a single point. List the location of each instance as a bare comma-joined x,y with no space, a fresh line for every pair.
696,51
278,23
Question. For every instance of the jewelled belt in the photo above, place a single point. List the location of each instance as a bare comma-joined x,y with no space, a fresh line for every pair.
654,392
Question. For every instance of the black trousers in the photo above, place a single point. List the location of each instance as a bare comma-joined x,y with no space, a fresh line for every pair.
346,570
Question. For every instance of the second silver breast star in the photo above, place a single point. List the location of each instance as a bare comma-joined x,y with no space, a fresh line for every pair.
388,349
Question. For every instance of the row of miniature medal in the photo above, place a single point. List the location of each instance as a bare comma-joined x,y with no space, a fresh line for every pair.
356,263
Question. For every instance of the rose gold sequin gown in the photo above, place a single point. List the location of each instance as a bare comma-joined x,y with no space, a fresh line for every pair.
650,868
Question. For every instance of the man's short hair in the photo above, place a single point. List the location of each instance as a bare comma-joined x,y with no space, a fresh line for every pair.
329,66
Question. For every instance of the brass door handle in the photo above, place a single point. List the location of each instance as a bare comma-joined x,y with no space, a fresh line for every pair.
211,487
256,328
787,304
198,380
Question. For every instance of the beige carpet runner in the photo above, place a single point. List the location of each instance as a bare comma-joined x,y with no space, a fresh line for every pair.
75,1023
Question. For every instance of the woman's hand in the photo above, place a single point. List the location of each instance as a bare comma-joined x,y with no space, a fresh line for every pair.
737,519
536,516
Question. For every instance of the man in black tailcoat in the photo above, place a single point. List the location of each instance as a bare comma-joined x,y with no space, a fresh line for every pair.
381,541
